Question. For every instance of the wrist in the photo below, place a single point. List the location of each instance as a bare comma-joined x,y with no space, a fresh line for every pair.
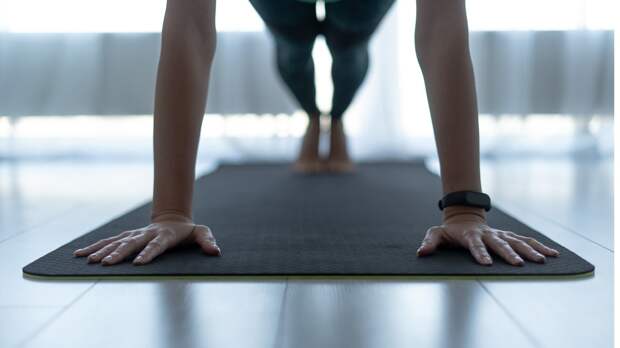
171,215
462,211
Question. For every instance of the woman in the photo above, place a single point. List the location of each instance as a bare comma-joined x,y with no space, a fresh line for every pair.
347,28
442,50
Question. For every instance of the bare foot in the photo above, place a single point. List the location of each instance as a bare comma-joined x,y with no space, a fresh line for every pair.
338,160
308,160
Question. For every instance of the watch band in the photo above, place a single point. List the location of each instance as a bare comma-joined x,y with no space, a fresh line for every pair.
467,198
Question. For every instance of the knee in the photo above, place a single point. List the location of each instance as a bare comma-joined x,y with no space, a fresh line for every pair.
292,58
356,56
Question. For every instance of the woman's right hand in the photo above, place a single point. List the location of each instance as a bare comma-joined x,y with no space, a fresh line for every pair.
152,240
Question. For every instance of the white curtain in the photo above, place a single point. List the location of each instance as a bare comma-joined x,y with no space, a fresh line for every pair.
76,57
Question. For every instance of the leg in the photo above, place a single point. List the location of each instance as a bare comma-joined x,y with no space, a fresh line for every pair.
294,27
349,25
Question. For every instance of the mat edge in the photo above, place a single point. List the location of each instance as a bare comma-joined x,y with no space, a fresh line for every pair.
335,277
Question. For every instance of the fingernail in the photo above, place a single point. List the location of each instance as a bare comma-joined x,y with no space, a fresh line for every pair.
138,259
542,259
486,260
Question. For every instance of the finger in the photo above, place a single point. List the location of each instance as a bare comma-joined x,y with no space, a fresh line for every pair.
206,240
538,246
431,241
524,249
503,249
98,245
103,252
478,250
126,248
153,249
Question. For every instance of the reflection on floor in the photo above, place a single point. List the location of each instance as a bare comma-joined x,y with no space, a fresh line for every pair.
45,203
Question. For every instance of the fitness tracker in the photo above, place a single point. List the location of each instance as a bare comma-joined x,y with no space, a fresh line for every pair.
467,198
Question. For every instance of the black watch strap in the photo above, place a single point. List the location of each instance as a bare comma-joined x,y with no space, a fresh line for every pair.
467,198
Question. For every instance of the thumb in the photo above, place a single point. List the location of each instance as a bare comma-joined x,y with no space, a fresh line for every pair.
204,237
431,241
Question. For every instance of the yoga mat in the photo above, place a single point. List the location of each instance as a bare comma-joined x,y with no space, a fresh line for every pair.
269,221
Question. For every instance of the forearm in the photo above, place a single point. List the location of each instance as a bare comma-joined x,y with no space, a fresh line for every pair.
180,97
443,53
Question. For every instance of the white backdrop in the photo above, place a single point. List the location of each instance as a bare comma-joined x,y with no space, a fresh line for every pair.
70,57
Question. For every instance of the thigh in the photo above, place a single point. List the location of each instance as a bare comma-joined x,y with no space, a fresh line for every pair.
348,22
289,20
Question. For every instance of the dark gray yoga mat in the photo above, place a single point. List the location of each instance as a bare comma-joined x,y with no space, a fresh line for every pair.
270,221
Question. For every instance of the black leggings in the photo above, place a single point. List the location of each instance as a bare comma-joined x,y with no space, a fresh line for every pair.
347,27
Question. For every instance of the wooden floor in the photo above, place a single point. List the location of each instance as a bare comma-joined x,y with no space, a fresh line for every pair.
46,204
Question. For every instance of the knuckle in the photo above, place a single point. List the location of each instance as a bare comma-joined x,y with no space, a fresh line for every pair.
108,248
470,233
166,233
504,234
522,244
430,231
488,232
120,247
156,244
501,242
150,233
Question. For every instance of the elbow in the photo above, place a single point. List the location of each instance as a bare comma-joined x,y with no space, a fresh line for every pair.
440,39
192,23
439,27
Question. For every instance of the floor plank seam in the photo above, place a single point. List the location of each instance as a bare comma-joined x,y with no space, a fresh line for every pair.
55,317
279,330
528,335
41,223
560,225
28,306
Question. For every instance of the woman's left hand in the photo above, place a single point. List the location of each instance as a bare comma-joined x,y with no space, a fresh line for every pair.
471,232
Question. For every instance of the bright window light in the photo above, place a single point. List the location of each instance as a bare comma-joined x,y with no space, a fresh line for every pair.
238,15
540,15
36,16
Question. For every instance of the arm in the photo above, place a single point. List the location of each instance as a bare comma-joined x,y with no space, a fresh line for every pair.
442,49
188,47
